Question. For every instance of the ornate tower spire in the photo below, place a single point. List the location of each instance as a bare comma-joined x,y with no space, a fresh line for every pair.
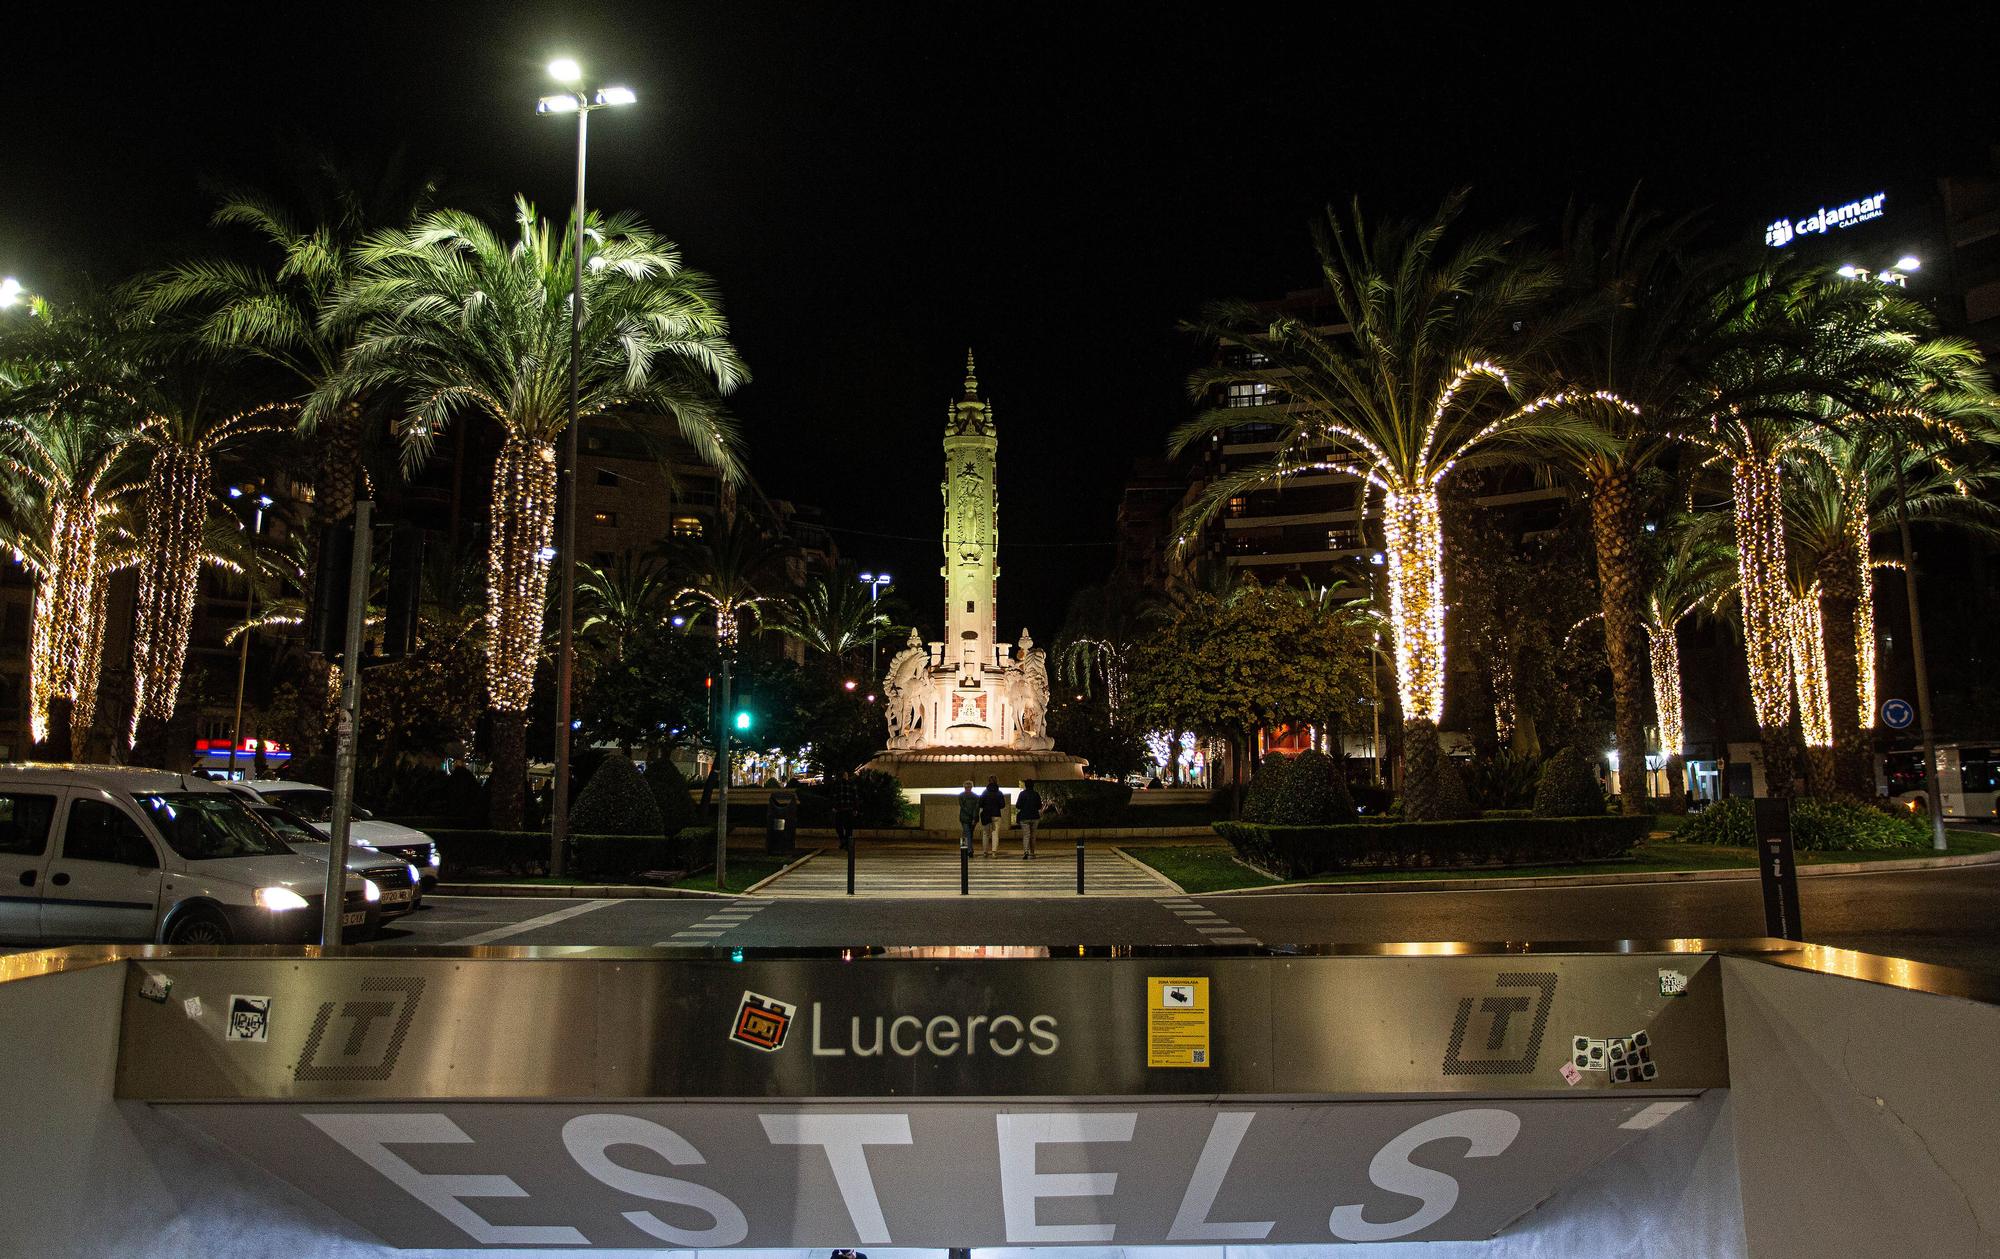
971,530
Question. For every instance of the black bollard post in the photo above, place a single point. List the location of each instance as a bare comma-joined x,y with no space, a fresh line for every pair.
964,867
1079,867
853,842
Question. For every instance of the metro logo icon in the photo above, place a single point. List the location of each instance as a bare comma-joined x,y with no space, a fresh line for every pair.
762,1022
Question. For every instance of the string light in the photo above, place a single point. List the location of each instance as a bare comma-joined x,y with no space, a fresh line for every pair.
1760,550
518,557
1864,607
1664,649
1808,652
1414,533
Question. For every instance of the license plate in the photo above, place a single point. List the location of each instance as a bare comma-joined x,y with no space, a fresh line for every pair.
354,919
398,896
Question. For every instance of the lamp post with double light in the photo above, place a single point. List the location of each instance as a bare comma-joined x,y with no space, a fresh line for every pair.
874,582
572,100
258,504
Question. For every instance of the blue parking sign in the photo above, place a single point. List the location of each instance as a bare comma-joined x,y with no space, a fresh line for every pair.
1897,714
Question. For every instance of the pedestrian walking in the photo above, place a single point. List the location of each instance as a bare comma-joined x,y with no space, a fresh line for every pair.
846,795
992,804
968,814
1028,814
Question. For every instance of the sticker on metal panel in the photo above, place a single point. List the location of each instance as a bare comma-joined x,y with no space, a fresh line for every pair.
249,1018
1177,1021
762,1022
1673,983
156,987
1570,1074
192,1007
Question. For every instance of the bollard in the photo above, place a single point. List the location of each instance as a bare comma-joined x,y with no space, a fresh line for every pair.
1079,867
853,843
964,867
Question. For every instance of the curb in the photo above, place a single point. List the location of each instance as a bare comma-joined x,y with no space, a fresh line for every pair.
1351,886
782,872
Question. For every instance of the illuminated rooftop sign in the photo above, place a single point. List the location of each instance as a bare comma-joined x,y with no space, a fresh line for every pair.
1823,220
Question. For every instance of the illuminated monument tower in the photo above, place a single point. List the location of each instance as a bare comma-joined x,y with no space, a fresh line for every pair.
970,706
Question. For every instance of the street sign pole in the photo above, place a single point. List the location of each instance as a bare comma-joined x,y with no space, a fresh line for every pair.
1776,868
347,730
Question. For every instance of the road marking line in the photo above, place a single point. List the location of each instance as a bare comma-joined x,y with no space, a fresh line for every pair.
531,924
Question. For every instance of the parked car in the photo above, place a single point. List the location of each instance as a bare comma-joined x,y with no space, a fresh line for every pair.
105,853
400,883
315,805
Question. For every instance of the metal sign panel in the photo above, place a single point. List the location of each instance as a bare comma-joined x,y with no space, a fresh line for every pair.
942,1174
371,1028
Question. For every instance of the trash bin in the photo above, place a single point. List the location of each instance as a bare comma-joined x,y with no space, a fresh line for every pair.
781,824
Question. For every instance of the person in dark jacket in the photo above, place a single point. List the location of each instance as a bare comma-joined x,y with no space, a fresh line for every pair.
968,814
992,804
845,797
1028,813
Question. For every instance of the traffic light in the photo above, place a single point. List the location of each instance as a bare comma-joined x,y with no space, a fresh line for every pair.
743,721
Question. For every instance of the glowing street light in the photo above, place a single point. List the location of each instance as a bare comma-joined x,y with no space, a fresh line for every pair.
1908,262
874,582
10,290
566,71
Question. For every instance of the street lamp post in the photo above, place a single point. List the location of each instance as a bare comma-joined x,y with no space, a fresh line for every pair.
1922,667
249,604
571,101
874,582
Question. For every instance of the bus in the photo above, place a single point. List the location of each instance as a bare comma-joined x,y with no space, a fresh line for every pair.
1968,779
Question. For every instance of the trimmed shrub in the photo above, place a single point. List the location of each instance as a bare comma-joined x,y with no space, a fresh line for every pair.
1432,789
616,801
1308,789
1294,852
1086,803
1503,780
1818,825
879,795
1569,787
670,795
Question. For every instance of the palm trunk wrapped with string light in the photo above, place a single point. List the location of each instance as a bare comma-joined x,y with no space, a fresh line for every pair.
518,560
1766,601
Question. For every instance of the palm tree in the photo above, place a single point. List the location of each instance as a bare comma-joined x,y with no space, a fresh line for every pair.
61,449
1842,493
1651,312
282,315
1411,386
1094,647
1697,572
462,321
833,617
622,599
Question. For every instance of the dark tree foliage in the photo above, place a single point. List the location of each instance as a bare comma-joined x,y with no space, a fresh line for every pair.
1085,728
1306,789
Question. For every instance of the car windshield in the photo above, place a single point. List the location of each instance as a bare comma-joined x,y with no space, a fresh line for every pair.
314,804
203,825
289,828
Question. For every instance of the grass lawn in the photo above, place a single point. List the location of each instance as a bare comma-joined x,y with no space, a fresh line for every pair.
746,867
1213,867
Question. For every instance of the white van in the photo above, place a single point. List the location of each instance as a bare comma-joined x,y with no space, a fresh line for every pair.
97,853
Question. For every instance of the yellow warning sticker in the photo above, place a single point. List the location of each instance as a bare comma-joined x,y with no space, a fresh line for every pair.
1177,1022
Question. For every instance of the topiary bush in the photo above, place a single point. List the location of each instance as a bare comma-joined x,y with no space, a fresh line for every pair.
670,794
1818,825
1569,787
616,801
1432,789
465,798
1307,789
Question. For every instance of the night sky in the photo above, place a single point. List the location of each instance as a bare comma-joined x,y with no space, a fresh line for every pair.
877,187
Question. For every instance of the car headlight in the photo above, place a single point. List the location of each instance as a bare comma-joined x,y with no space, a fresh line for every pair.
415,876
279,898
434,858
369,892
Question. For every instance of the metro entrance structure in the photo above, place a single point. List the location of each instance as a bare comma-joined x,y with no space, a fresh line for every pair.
1686,1097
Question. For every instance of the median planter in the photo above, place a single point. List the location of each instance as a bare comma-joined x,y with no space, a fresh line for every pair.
591,856
1296,852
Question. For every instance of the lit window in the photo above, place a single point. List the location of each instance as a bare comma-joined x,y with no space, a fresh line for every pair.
609,519
1248,394
1238,505
1342,540
687,526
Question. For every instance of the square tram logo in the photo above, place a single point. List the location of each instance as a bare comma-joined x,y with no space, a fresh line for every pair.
249,1018
762,1022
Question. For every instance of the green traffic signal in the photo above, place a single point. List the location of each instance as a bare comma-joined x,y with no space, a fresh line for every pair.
742,719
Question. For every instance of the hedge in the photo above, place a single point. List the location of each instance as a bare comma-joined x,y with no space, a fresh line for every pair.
591,856
1818,825
1089,802
1294,852
1305,789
